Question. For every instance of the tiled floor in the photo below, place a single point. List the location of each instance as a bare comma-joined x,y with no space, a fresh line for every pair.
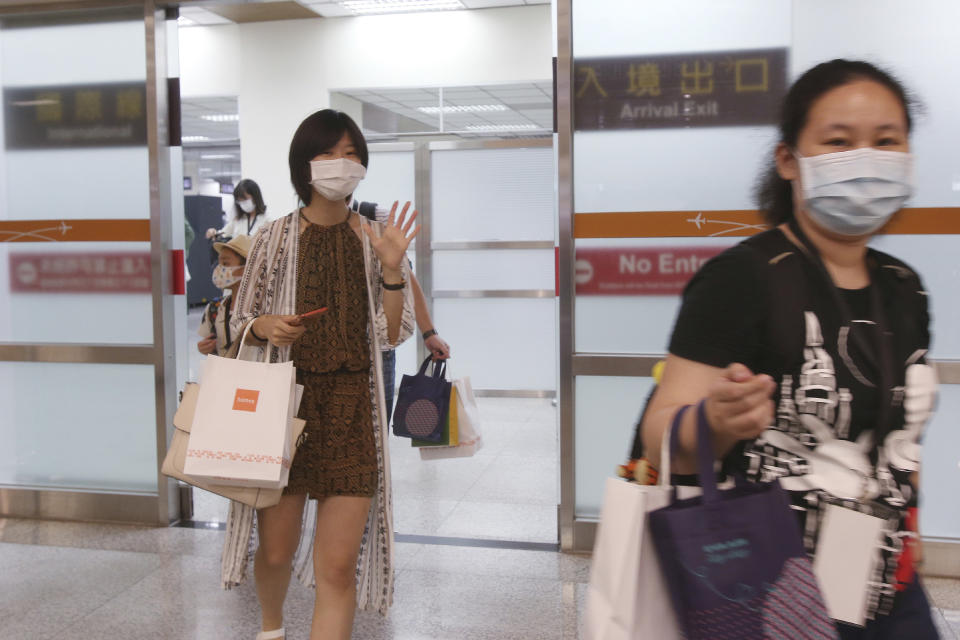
68,581
508,491
79,581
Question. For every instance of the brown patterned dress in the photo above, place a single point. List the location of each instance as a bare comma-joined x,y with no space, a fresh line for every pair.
338,456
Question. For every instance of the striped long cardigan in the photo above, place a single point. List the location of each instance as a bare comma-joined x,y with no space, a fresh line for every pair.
269,286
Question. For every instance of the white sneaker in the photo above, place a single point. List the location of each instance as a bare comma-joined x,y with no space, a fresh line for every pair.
276,634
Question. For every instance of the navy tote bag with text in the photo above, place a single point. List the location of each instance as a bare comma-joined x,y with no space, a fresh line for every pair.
734,560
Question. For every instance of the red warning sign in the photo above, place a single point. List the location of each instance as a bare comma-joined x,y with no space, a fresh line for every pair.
80,273
659,271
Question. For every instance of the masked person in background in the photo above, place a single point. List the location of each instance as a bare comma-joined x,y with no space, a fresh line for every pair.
809,349
218,337
249,212
323,255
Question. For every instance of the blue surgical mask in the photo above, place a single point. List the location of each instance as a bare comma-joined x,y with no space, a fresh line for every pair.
854,193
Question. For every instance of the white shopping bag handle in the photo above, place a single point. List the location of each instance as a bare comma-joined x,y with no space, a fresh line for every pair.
244,345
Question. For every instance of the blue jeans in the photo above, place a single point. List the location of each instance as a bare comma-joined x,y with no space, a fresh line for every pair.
910,618
389,378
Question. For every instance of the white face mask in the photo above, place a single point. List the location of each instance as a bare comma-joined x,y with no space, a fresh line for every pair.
854,193
223,276
246,205
336,179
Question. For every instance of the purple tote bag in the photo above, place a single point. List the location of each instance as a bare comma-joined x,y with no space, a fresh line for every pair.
734,560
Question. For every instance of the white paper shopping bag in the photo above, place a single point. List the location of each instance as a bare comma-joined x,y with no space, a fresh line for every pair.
468,426
241,428
845,561
627,598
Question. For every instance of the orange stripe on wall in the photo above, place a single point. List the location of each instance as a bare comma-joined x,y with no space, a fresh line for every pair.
737,222
75,230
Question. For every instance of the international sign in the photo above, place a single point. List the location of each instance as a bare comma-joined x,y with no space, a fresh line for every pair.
102,115
724,88
660,271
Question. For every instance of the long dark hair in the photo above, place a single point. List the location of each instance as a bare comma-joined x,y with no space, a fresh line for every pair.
773,194
244,188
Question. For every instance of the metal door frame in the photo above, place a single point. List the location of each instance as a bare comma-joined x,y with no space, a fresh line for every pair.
423,151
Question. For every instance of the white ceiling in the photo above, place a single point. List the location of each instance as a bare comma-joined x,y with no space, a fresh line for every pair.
193,124
335,9
221,140
198,16
527,109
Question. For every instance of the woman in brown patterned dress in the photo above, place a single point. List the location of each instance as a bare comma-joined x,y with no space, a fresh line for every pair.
341,460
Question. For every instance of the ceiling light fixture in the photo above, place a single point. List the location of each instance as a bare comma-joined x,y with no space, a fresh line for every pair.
503,127
370,7
221,117
218,156
194,139
467,108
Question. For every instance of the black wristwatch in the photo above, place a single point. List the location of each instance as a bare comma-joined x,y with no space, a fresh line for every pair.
432,332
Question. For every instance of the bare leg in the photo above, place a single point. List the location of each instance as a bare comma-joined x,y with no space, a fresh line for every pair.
340,522
279,528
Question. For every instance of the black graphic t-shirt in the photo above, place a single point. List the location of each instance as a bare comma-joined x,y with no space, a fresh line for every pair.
763,303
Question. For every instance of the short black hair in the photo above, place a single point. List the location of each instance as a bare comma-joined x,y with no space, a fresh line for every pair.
320,132
773,194
244,188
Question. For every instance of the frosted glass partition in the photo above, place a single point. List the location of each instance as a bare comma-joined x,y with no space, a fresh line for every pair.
406,353
607,409
672,169
86,438
494,269
76,184
73,53
633,323
704,169
72,169
390,177
501,343
609,27
493,194
940,473
821,32
935,259
84,182
92,292
669,170
73,150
